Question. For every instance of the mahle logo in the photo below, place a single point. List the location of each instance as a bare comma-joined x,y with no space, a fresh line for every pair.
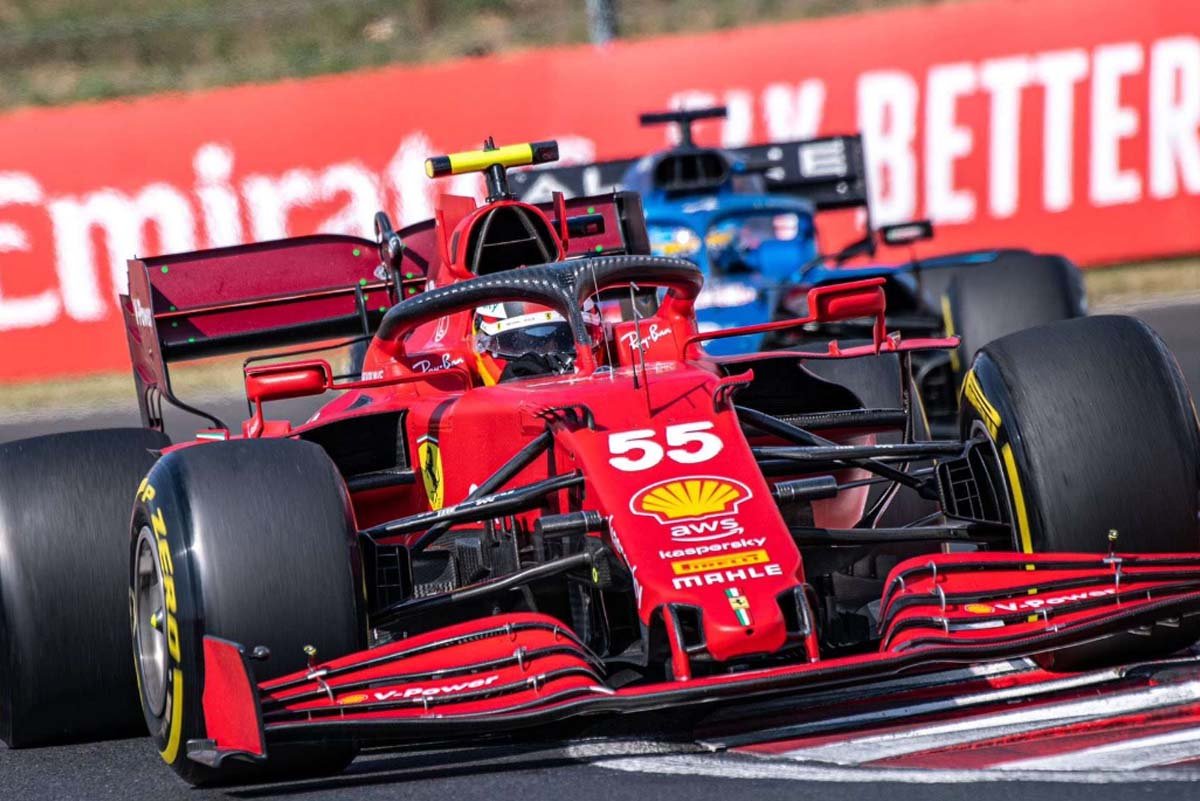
690,498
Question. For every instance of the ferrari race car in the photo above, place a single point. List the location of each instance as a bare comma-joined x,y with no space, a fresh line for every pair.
747,217
544,507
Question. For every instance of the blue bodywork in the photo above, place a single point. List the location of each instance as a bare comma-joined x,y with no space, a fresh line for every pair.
749,287
745,296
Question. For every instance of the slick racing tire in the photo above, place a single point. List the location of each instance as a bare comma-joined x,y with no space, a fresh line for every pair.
65,672
1094,430
1017,291
263,552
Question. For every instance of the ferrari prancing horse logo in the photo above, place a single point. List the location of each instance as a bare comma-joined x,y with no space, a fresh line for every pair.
430,459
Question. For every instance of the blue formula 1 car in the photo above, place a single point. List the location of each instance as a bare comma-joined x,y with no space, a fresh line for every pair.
747,216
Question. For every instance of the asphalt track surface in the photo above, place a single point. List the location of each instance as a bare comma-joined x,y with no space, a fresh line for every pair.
125,770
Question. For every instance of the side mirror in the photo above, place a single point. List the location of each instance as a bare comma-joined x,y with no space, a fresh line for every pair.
274,382
906,233
863,247
850,300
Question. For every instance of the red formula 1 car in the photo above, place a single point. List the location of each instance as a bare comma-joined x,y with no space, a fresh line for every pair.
542,505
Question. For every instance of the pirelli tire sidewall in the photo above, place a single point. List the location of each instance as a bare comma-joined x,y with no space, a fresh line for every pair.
162,508
985,407
256,544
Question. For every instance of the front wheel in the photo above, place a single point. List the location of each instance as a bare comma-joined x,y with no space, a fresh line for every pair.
1095,431
250,541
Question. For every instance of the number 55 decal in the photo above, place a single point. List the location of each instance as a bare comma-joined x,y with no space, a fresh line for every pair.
690,444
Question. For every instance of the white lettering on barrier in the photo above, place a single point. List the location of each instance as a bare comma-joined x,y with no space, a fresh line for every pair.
94,232
123,220
794,112
31,311
1112,122
947,141
1005,79
1058,72
887,117
218,199
1175,116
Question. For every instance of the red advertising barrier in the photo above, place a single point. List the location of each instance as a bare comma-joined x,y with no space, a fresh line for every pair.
1063,125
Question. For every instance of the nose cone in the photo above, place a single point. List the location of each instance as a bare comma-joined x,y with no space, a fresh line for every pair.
733,578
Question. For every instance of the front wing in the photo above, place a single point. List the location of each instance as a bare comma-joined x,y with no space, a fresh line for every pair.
521,670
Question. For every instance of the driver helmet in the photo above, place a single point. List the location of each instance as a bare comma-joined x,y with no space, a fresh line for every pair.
519,339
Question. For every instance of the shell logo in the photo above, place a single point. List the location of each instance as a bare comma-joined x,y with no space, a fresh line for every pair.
979,609
689,498
354,698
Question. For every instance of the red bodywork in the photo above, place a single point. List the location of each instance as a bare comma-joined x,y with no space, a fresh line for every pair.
663,457
524,670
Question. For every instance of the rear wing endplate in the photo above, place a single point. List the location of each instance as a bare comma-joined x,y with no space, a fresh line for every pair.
264,295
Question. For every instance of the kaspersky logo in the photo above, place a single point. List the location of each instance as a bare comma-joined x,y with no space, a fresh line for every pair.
690,498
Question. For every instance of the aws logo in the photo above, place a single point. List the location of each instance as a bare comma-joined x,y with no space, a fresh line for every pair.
690,498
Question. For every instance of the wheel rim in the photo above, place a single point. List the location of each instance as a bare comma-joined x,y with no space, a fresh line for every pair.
150,626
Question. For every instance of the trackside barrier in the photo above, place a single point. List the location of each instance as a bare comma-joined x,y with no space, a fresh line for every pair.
1063,125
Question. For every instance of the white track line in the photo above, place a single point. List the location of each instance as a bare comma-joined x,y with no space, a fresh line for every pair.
758,769
859,750
1144,752
880,716
835,698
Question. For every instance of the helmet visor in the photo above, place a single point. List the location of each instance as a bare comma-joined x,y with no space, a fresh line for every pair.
542,332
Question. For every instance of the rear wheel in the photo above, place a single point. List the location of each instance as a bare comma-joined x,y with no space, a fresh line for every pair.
64,646
263,552
1095,431
1017,291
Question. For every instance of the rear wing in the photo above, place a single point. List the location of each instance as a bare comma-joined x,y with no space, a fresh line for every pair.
829,171
538,185
306,290
264,295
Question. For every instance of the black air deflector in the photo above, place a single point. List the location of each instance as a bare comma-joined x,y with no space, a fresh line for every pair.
366,446
508,237
691,171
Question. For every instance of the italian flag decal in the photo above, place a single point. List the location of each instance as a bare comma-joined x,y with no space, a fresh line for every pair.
740,605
